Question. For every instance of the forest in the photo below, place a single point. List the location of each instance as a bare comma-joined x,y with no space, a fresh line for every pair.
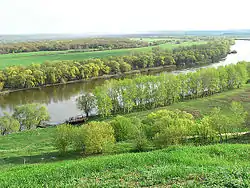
37,75
88,44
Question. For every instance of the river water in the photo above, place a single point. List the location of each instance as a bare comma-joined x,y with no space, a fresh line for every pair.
60,100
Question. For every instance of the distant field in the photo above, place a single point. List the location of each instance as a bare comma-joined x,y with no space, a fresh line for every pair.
151,39
25,59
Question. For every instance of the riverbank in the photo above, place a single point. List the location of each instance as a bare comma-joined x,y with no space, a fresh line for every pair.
159,69
37,155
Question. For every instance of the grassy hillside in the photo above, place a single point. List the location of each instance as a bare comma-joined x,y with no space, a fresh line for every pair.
224,165
40,57
40,141
188,166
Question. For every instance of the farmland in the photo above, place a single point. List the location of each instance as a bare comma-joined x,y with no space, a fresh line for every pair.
26,59
176,165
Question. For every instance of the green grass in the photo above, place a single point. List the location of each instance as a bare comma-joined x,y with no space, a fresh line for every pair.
187,166
225,165
26,59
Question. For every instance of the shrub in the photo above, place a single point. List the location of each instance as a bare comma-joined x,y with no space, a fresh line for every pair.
63,137
98,137
168,127
124,128
203,132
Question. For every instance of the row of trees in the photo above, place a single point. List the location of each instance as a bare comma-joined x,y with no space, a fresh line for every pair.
87,44
158,130
25,117
37,75
147,92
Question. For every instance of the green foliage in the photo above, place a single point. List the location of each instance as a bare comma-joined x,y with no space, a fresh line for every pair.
98,137
203,132
86,44
124,128
63,137
26,59
86,103
31,115
8,124
168,127
125,67
35,75
147,92
104,103
239,115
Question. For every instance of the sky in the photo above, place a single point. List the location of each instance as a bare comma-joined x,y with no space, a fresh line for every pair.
120,16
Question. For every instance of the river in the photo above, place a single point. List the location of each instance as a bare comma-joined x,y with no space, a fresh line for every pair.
60,100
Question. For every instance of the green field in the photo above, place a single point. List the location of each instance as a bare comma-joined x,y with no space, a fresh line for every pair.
224,165
40,57
217,165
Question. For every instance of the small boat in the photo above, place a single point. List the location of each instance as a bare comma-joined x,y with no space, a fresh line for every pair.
49,124
233,52
76,120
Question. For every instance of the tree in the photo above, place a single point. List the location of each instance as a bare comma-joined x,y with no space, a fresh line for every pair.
30,115
166,127
8,124
124,128
63,137
86,103
98,137
238,117
203,131
125,67
219,122
104,102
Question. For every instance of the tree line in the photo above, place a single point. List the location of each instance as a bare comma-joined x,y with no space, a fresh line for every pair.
158,130
88,44
147,92
37,75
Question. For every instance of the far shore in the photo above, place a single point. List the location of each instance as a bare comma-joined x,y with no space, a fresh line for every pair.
108,76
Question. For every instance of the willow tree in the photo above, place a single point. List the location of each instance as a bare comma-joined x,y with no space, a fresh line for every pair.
8,124
86,103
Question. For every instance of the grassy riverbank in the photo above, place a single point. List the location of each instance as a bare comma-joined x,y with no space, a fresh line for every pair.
40,141
25,59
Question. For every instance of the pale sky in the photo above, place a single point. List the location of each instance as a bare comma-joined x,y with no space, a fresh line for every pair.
121,16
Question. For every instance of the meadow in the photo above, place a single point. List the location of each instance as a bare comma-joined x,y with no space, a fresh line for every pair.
29,158
187,166
26,59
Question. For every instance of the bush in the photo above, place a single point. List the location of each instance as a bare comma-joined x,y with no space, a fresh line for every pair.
124,128
97,137
63,137
168,127
203,132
